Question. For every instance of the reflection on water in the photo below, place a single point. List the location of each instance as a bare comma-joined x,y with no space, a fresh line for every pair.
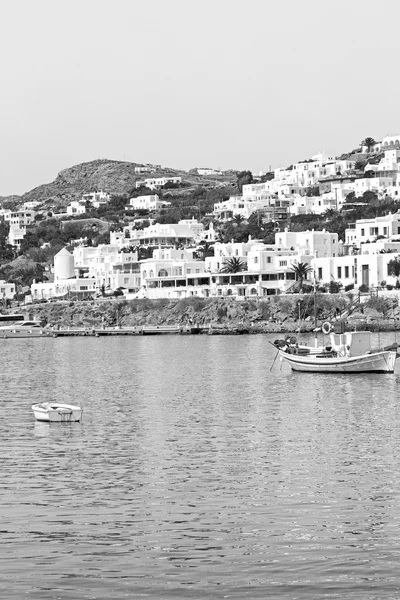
197,472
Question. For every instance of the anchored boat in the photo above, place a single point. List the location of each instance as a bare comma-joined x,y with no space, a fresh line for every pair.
349,352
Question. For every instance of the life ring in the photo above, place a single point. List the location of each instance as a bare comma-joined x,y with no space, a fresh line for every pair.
326,327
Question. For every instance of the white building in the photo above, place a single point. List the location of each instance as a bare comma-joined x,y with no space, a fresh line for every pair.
185,232
19,217
306,205
206,171
7,290
365,269
18,222
144,169
373,184
29,206
309,243
75,208
151,202
96,199
224,252
108,266
156,183
66,283
367,230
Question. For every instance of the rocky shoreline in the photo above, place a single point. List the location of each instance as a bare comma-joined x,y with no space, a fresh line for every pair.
215,316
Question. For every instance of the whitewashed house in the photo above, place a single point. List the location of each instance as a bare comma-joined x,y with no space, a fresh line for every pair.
7,290
75,208
158,182
151,202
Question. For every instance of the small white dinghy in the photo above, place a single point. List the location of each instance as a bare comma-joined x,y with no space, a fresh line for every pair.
58,413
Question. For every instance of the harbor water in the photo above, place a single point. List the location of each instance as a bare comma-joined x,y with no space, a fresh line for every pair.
201,470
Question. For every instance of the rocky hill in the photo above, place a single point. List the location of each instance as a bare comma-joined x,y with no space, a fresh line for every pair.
112,176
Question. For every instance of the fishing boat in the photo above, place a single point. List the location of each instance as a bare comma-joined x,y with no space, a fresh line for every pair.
349,352
56,412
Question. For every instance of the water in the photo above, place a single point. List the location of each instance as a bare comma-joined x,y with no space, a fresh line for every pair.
197,473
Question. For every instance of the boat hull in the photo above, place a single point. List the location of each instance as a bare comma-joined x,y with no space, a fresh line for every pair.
24,333
377,362
51,412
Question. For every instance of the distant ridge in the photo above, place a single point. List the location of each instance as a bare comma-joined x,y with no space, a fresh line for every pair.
111,176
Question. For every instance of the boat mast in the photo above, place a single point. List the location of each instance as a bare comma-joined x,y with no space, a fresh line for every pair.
315,312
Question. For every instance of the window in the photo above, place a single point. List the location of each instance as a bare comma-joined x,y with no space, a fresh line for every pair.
255,260
269,259
283,263
339,272
346,272
319,272
362,232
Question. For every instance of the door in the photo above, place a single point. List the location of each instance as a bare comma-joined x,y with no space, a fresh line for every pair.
365,275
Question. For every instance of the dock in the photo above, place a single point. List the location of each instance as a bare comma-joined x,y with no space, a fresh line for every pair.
139,330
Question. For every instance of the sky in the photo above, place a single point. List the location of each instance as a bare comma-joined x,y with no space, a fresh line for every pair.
183,83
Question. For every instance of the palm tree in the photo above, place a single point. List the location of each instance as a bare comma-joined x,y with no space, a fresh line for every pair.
204,249
233,265
369,142
301,270
237,219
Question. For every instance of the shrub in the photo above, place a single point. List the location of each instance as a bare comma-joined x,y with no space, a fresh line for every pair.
221,312
334,287
379,304
349,287
363,288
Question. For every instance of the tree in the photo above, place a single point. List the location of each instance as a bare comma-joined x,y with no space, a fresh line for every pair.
369,142
393,267
205,249
313,190
360,165
238,219
330,213
369,197
233,265
6,250
243,178
301,271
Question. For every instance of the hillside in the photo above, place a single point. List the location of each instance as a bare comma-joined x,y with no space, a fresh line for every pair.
111,176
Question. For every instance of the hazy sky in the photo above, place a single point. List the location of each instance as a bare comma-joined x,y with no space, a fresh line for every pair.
186,83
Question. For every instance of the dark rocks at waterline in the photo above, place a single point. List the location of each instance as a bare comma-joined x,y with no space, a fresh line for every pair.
220,315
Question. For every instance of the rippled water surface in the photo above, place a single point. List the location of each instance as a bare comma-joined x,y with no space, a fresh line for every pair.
198,472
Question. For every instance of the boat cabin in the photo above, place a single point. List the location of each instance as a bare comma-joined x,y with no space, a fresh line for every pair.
351,343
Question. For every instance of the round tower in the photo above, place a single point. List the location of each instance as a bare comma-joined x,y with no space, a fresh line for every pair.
64,264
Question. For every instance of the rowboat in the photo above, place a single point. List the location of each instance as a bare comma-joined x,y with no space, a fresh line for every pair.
56,412
349,352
